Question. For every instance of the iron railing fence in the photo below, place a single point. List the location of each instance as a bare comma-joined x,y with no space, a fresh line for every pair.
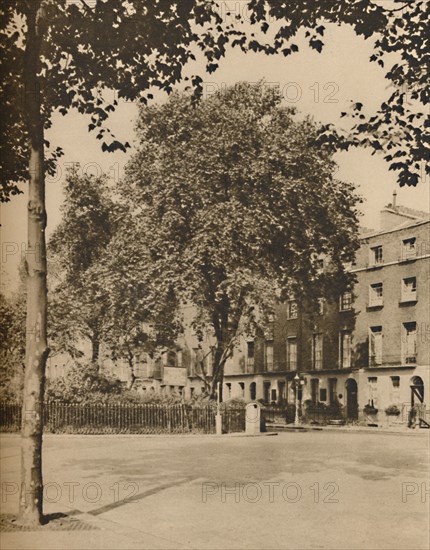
144,418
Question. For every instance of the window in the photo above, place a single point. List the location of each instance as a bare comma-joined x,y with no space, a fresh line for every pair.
242,389
376,292
253,391
292,309
228,386
323,394
376,255
292,354
273,396
281,391
332,390
314,390
395,390
317,344
409,248
346,301
375,346
250,355
171,360
345,349
409,289
269,355
372,384
409,343
266,391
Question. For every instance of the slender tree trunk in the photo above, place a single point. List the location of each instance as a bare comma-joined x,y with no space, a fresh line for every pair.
31,501
95,350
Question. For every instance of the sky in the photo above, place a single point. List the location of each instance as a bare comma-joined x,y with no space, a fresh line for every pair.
319,84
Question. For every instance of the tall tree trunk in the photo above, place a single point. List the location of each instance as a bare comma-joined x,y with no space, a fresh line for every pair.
31,501
130,361
95,349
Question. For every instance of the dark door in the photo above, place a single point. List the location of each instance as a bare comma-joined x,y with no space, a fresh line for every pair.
351,399
417,390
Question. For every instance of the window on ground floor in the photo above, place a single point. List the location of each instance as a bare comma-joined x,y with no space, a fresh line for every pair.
314,390
266,392
372,384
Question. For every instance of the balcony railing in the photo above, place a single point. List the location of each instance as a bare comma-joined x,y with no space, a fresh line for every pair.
392,360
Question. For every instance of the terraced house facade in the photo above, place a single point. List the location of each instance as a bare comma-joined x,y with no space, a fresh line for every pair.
371,348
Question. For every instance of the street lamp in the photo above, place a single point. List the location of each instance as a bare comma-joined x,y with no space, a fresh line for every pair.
298,381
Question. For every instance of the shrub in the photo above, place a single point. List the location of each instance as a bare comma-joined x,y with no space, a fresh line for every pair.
370,409
392,410
87,384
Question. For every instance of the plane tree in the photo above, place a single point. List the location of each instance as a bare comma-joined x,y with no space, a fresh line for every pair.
236,202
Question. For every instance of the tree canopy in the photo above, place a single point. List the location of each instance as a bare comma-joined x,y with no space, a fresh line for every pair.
237,203
99,289
82,52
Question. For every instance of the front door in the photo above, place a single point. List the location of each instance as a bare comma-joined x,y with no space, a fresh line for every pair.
351,399
417,390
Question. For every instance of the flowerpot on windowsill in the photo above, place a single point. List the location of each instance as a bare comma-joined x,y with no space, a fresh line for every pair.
392,414
371,415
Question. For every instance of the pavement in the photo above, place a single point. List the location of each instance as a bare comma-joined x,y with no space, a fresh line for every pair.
298,490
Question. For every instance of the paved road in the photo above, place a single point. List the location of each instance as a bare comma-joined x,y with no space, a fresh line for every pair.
308,490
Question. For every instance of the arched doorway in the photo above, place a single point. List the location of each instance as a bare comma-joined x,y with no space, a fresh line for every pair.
417,390
351,399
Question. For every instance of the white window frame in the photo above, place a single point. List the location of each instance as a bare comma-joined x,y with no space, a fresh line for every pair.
409,343
317,362
342,356
269,344
341,301
289,303
374,298
410,253
376,358
291,340
408,295
373,259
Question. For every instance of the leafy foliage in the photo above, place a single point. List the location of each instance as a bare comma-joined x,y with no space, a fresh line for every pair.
100,273
399,128
86,384
78,299
83,53
12,346
236,201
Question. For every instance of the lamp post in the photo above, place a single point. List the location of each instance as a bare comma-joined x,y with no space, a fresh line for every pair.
298,381
218,417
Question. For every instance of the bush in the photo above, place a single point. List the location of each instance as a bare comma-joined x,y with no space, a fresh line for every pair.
319,408
86,384
370,409
392,410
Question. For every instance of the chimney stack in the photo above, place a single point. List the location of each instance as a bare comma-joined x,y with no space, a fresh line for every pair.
394,198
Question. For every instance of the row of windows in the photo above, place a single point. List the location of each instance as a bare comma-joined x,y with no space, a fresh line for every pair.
408,345
408,250
376,357
372,386
408,292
